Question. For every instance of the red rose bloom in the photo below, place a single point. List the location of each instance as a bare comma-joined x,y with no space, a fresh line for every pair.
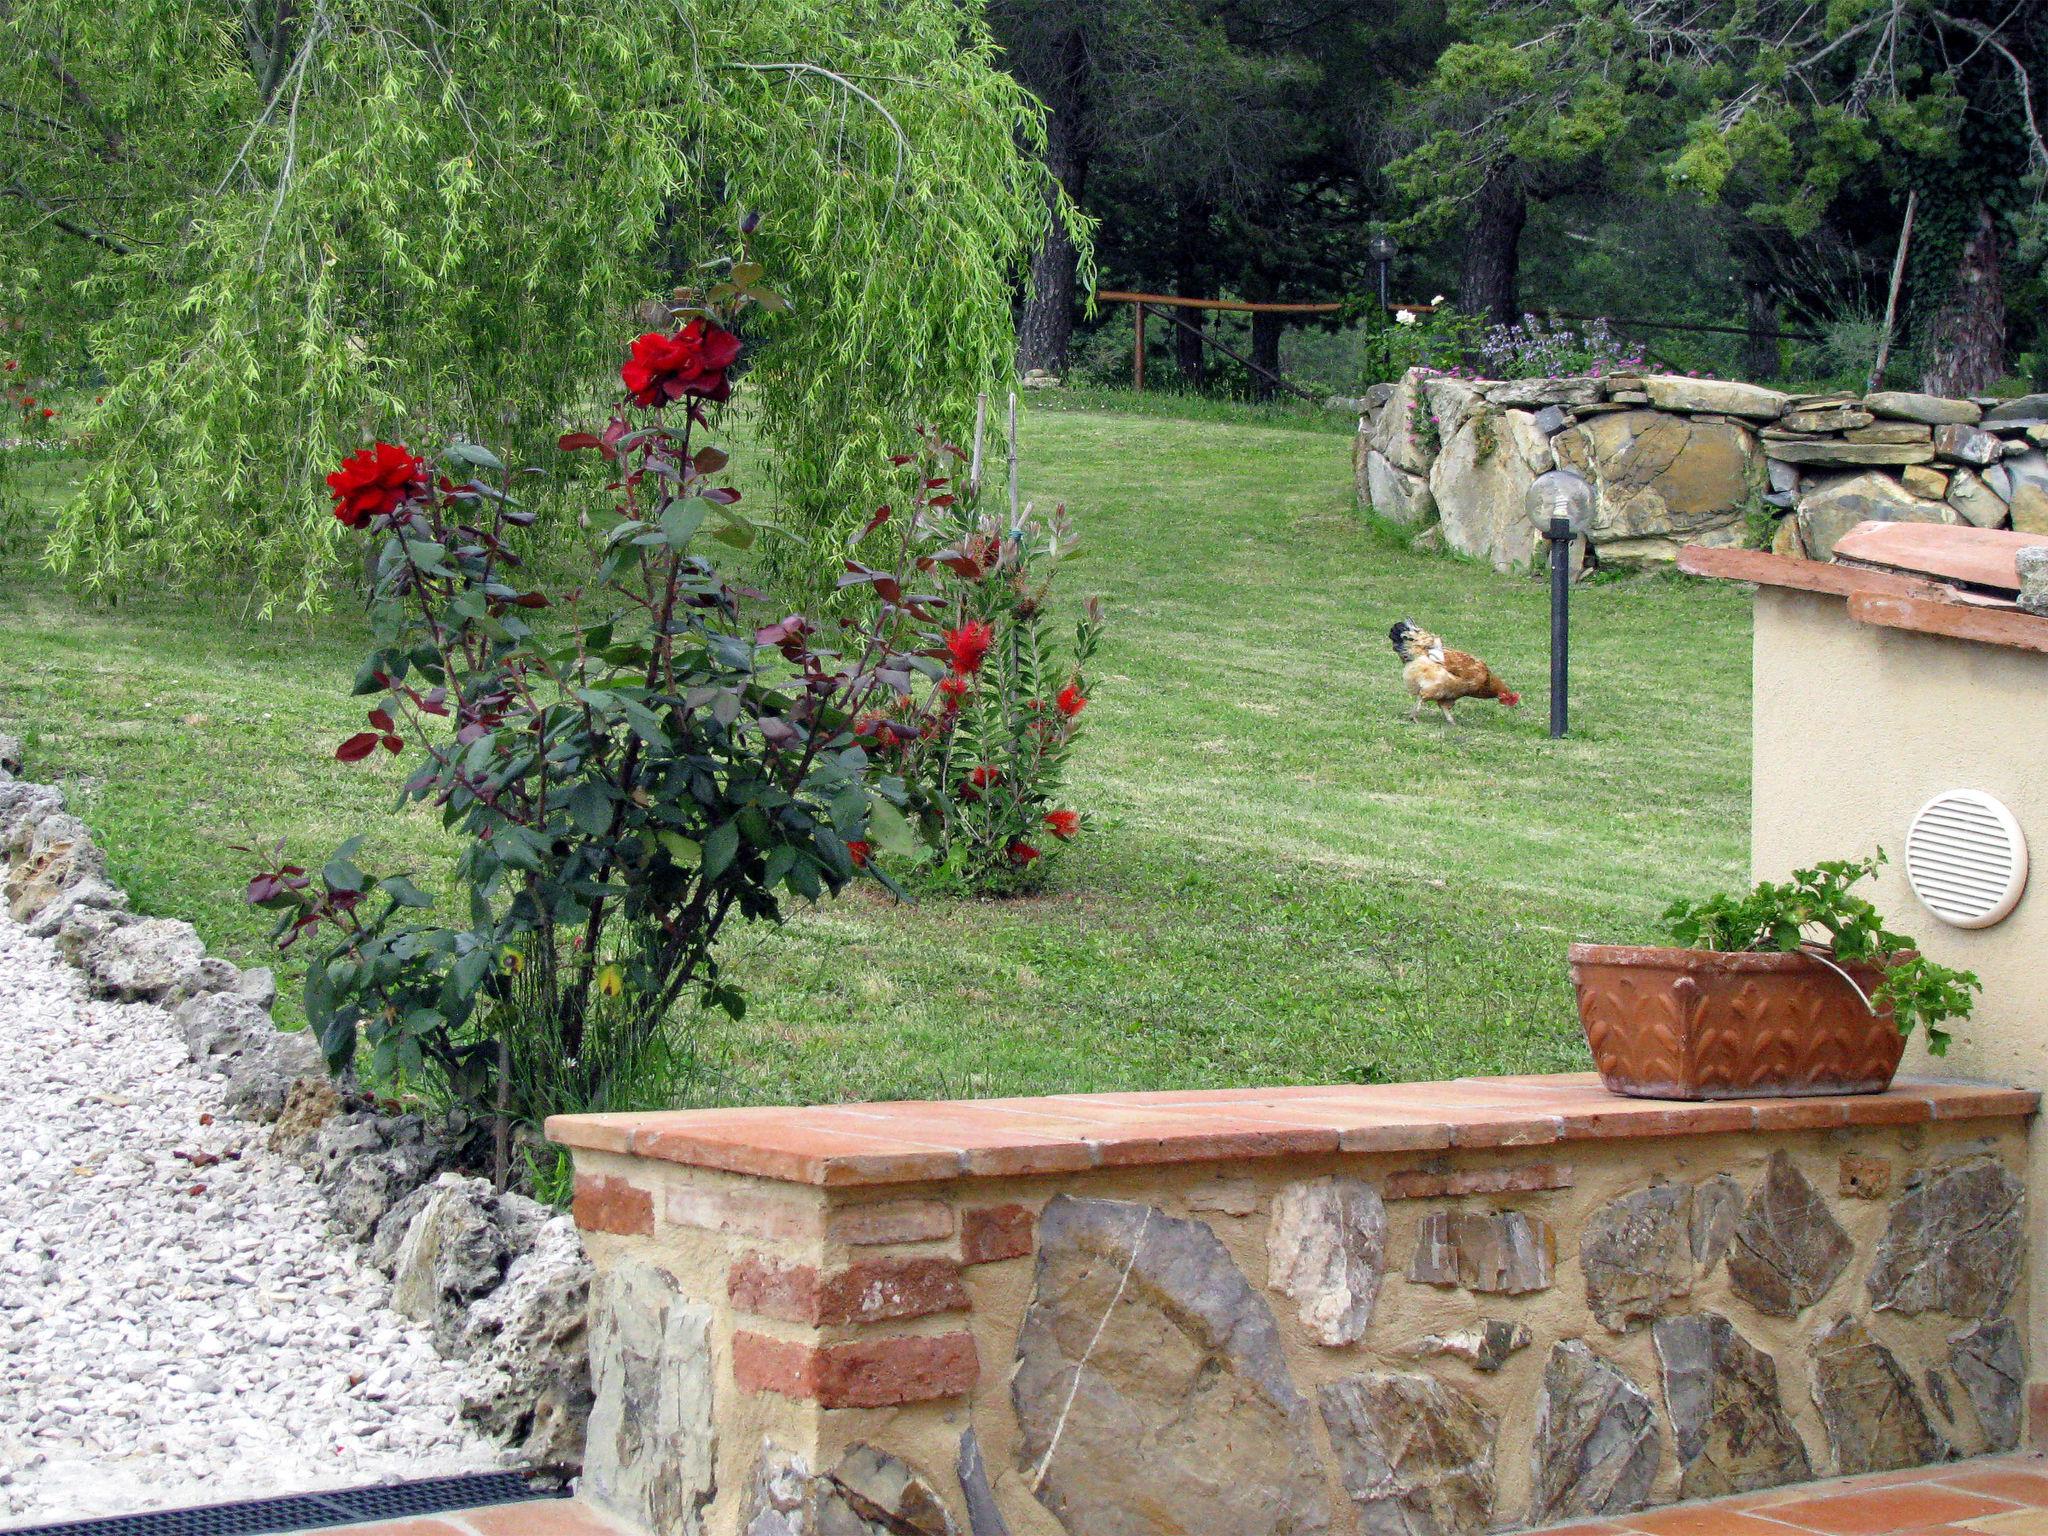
951,691
690,363
967,645
1064,824
859,852
1071,701
1023,853
374,482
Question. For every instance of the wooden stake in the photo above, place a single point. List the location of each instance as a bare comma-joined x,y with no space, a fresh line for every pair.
1138,355
980,433
1015,517
1891,303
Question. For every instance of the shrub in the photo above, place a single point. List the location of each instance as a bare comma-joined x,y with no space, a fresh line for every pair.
629,766
1539,349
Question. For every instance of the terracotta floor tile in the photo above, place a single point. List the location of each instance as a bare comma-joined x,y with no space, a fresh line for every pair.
2008,1482
419,1526
1705,1520
1879,1511
541,1517
2019,1522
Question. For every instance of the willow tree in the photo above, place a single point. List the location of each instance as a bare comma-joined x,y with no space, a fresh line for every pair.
281,226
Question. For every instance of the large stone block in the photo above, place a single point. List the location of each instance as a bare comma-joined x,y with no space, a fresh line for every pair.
1394,434
1954,1244
1326,1248
1500,1252
1662,477
1396,494
1597,1440
1988,1361
1873,1418
1833,508
1478,482
653,1427
1935,411
1788,1247
1415,1455
1636,1254
1727,1419
1671,392
1151,1390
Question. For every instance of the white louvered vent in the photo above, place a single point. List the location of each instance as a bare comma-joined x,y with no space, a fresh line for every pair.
1966,859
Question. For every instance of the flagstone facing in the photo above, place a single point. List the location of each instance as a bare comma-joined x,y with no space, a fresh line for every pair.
1394,1310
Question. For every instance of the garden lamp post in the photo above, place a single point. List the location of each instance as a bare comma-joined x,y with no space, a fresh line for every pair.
1383,249
1560,504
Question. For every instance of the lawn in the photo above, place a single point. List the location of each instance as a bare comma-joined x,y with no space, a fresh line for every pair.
1284,881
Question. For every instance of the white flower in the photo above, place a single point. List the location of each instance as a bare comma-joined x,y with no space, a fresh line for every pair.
1404,317
1438,299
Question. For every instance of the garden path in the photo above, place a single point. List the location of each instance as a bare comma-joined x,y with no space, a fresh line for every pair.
179,1329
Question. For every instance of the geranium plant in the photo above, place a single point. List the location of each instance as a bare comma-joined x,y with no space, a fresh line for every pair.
630,763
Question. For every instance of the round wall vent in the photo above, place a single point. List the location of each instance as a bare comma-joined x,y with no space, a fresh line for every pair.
1966,858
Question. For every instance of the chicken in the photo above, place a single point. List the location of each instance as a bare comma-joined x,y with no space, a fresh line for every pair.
1442,677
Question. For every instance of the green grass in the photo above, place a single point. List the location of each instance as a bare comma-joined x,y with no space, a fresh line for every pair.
1285,882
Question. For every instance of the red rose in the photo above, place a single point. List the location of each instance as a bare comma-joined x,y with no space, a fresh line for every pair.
1064,824
1071,701
692,362
859,852
1023,853
374,482
967,645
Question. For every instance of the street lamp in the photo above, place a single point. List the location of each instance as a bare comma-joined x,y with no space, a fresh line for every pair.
1383,249
1560,504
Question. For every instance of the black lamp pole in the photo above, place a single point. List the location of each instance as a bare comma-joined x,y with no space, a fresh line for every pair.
1560,536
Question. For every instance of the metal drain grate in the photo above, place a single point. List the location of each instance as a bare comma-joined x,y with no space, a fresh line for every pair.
311,1511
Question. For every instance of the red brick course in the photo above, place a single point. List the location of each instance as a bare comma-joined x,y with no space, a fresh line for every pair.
989,1233
603,1203
866,1291
865,1373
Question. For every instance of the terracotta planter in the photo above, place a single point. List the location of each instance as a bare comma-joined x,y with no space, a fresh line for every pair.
1692,1024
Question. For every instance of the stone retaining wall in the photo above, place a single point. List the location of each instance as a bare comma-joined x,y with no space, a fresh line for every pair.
1677,461
1525,1310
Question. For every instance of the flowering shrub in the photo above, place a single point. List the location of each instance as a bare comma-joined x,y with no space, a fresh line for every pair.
1439,338
629,764
1540,349
990,743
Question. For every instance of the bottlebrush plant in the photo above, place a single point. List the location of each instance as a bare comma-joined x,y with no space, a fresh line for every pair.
629,764
992,736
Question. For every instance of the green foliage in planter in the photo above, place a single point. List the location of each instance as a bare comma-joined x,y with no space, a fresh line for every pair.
1788,915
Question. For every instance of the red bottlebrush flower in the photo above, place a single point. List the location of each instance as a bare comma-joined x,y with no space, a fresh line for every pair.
967,645
859,852
375,481
12,364
985,776
951,691
27,401
48,413
1071,701
1064,824
1022,853
692,363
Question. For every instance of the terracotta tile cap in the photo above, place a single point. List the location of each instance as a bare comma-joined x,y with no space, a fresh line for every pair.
915,1142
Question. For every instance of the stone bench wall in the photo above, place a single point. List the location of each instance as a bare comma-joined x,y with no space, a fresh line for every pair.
1677,461
1521,1311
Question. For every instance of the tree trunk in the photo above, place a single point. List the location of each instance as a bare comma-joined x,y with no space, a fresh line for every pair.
1266,331
1192,280
1965,349
1045,322
1489,283
1760,346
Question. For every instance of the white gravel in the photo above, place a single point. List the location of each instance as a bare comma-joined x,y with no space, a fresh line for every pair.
173,1334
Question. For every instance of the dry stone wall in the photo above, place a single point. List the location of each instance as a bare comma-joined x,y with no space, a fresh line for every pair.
1675,461
1389,1344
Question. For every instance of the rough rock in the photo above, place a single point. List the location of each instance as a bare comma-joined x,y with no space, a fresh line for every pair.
652,1455
1415,1455
1530,394
1831,510
1186,1388
228,1033
1396,494
1484,1348
984,1516
1451,403
1393,435
1597,1440
309,1103
1788,1247
869,1493
259,985
1507,1252
1672,392
445,1247
1988,1361
1326,1248
156,960
11,753
1661,481
1783,477
1931,409
1980,506
1478,482
49,914
2033,569
1636,1255
369,1163
2027,411
1873,1419
1892,432
1966,445
2027,473
1716,1207
1926,482
1829,418
1833,452
1953,1244
24,806
528,1350
85,927
1728,1421
59,856
1785,539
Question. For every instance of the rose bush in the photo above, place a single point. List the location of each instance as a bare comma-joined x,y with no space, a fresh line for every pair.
629,764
